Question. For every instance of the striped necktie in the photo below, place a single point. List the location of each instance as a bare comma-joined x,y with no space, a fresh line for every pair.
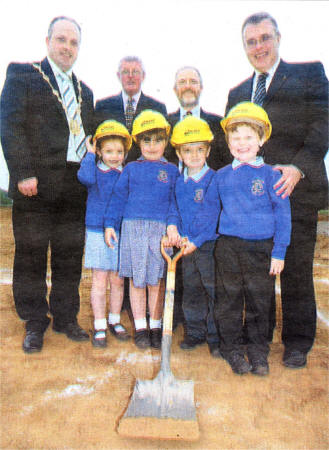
129,113
77,133
260,92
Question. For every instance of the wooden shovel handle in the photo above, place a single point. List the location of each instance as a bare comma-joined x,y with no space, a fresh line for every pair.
171,261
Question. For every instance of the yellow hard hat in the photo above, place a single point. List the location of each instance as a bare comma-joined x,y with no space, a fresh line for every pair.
113,128
149,120
248,112
191,129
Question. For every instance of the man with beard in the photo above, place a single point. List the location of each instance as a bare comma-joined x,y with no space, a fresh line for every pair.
188,87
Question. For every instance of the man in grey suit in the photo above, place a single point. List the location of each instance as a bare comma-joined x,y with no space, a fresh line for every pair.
131,101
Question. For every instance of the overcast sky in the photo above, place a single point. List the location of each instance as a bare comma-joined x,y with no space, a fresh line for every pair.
165,35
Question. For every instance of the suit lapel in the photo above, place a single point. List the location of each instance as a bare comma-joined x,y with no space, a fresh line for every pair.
140,104
45,66
278,80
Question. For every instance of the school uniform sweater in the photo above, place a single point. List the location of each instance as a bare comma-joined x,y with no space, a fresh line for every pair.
251,209
190,193
99,180
144,190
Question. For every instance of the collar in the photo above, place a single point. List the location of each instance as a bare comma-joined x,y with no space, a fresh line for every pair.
162,159
258,162
135,97
197,176
106,168
270,73
195,112
57,71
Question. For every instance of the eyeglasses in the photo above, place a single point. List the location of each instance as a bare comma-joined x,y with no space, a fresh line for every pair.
132,73
252,43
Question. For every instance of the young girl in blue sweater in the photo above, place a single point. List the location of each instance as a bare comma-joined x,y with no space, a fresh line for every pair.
254,228
99,171
141,200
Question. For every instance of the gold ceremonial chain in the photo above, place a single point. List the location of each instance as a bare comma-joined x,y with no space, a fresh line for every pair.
73,123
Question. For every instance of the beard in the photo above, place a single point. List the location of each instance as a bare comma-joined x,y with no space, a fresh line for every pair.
191,102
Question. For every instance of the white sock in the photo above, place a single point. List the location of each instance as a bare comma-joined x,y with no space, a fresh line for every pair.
114,318
155,323
140,324
100,324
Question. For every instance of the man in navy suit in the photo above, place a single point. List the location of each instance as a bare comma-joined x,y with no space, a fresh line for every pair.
296,100
131,75
188,88
42,137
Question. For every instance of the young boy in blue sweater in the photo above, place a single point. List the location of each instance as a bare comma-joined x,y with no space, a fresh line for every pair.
141,201
191,138
110,144
254,227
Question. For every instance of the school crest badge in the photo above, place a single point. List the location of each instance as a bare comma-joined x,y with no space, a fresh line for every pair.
163,176
198,196
257,187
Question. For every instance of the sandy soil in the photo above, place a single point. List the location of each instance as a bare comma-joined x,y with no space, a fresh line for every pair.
72,396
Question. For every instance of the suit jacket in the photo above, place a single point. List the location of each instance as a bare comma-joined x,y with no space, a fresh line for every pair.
113,108
34,128
219,154
297,105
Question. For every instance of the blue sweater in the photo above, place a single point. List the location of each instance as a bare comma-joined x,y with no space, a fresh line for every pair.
190,193
250,207
144,191
100,182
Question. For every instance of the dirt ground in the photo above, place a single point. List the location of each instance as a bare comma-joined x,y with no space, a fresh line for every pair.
72,396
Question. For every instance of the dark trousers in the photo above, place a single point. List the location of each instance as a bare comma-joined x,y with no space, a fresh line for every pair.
297,287
38,224
244,289
199,293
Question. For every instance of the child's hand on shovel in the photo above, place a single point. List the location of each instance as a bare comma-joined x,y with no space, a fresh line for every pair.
173,237
189,247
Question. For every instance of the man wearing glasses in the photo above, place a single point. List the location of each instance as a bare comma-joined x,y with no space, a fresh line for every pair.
131,101
295,96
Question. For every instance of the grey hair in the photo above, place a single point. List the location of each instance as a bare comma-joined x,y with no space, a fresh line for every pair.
131,59
190,68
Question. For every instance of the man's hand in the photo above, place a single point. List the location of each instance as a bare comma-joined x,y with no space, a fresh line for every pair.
28,187
277,266
109,235
290,177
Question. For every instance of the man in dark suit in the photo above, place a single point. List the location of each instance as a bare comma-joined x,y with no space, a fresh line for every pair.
45,114
188,88
296,100
131,101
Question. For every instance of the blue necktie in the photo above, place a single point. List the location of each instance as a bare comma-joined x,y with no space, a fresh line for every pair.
260,92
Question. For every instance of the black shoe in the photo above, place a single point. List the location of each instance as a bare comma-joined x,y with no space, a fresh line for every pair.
99,338
214,350
259,365
119,331
73,331
156,336
237,362
33,341
294,359
142,339
190,342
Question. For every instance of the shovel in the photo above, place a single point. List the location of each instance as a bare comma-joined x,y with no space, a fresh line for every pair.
163,408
